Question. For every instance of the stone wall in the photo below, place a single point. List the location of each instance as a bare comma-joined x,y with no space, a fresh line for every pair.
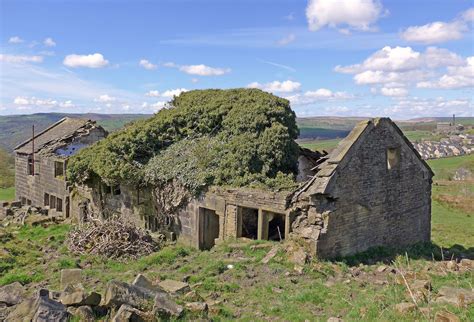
373,205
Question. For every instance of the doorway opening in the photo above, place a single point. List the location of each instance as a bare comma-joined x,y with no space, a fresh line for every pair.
276,226
209,223
249,222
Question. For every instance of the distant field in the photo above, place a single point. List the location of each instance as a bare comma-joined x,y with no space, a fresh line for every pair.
319,145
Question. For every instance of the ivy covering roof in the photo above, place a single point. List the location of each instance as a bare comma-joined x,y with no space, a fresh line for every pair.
235,137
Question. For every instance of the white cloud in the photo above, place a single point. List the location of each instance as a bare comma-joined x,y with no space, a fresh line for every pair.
287,86
153,93
439,106
203,70
38,102
435,32
406,67
394,91
173,92
49,42
468,15
286,40
21,101
105,99
456,77
20,59
90,61
15,40
321,94
439,31
147,65
356,14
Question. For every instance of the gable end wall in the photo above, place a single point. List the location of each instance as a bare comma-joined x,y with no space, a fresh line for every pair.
375,206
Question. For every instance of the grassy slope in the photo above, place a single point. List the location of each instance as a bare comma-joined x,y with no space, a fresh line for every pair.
7,176
251,290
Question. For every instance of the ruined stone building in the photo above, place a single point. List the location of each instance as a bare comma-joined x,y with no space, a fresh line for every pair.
40,163
372,190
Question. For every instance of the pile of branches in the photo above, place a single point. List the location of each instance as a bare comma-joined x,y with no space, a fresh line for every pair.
114,238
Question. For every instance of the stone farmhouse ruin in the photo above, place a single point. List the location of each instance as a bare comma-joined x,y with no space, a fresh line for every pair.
374,189
40,164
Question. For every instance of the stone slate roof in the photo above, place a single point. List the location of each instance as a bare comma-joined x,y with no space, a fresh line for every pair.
319,183
64,128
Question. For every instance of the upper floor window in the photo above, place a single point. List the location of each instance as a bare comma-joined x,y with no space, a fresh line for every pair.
59,169
31,166
393,158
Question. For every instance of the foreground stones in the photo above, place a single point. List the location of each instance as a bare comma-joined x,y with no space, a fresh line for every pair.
40,309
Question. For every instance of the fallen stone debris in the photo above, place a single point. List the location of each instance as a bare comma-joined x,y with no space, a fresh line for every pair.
142,300
114,238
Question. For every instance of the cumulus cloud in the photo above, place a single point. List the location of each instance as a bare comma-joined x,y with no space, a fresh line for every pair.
405,67
38,102
318,95
15,40
439,31
90,61
49,42
394,91
286,40
203,70
287,86
354,14
173,92
105,99
147,65
167,94
455,77
19,59
417,106
153,93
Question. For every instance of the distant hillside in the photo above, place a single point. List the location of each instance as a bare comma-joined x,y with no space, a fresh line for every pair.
7,170
15,129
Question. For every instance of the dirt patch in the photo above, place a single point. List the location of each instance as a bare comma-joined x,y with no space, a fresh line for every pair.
463,203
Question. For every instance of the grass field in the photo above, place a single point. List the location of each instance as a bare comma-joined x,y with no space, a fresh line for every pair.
351,288
7,194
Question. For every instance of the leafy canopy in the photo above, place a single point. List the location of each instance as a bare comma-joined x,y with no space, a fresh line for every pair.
236,137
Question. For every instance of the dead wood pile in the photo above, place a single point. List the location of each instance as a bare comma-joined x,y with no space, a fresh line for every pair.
113,238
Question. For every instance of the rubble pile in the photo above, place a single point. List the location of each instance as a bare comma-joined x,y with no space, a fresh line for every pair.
16,213
141,300
113,238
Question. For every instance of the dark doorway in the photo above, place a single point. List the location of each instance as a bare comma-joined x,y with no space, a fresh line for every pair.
276,227
249,222
209,223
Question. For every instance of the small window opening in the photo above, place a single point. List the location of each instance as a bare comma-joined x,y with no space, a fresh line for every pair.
31,166
59,204
276,227
28,202
116,190
107,189
46,199
393,158
52,202
249,222
59,169
23,200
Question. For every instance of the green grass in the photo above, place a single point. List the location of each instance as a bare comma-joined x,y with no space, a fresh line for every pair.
254,291
319,145
7,194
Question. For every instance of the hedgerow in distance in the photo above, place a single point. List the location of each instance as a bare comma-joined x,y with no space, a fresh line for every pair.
236,137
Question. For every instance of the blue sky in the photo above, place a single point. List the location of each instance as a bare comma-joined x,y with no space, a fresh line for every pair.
401,59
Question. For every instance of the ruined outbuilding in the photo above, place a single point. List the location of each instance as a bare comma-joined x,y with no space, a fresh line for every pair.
372,190
41,161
